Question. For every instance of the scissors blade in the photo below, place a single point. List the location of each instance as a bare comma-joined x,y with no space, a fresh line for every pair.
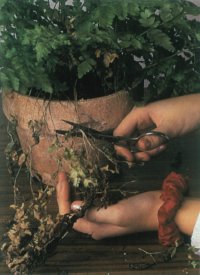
90,132
86,129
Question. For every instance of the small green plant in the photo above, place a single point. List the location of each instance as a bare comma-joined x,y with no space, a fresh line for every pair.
84,49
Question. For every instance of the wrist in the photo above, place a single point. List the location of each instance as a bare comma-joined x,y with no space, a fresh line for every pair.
187,215
152,213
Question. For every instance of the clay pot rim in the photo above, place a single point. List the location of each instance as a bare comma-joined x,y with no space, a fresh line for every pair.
103,97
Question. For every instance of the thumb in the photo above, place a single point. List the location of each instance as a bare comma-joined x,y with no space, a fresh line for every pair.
63,193
138,118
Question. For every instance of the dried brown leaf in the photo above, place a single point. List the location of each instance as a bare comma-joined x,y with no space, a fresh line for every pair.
22,159
36,214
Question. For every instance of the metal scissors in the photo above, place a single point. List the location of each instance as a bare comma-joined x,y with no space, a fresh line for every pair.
139,143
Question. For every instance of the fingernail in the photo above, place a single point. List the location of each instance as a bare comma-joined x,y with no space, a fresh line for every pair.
77,207
161,147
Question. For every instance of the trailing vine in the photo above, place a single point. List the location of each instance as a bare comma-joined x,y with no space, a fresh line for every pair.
33,232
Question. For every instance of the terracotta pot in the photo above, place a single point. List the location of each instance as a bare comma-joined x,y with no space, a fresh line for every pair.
100,113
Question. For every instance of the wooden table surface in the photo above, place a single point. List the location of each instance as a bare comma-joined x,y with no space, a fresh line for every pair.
78,254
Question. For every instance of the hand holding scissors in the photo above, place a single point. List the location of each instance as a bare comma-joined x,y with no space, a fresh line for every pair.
136,144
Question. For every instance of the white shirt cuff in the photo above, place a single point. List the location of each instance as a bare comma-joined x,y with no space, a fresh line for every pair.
195,239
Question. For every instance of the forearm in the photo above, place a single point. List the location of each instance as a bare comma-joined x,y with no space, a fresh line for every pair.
187,215
176,116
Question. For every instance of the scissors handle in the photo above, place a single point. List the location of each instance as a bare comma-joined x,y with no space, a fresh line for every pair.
165,137
147,141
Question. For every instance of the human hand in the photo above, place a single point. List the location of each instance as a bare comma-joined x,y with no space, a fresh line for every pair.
130,215
134,214
63,194
174,117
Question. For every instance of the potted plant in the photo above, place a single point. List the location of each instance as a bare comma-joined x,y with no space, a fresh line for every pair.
54,50
59,57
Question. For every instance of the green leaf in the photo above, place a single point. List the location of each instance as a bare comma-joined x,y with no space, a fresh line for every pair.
133,9
146,14
3,79
46,87
166,14
41,51
121,9
85,67
147,22
194,264
130,41
178,77
198,36
2,3
84,28
192,9
147,18
161,39
14,82
107,15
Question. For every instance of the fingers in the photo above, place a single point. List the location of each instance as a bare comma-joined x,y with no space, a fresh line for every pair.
99,231
140,156
150,145
125,153
63,193
117,214
98,223
137,119
102,215
146,147
146,156
135,214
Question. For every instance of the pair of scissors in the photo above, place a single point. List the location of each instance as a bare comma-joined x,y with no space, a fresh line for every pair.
139,143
